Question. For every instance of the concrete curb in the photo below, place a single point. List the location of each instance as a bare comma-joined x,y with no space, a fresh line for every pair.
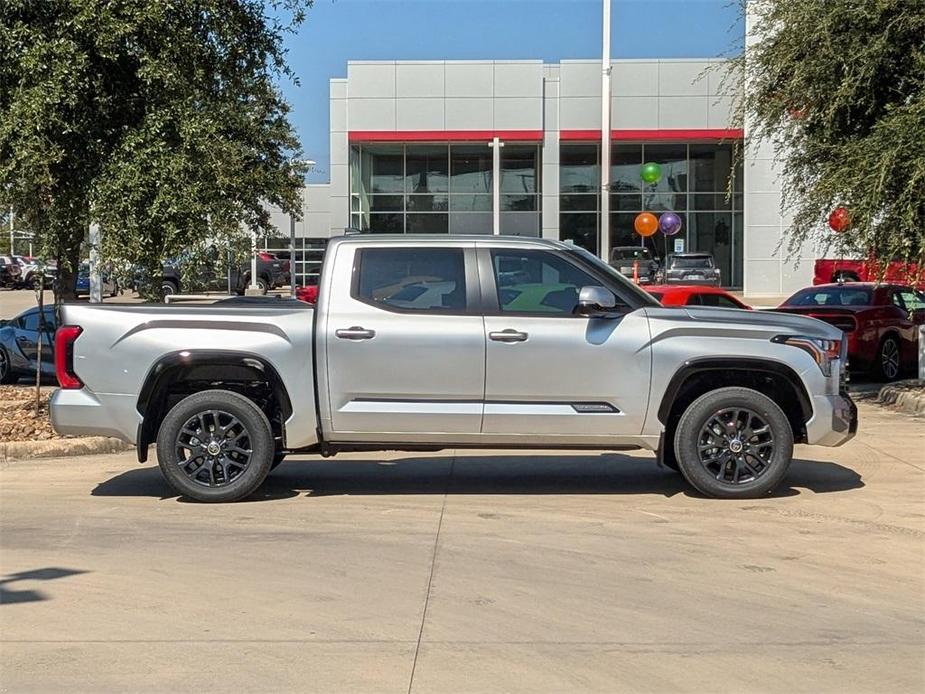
906,396
60,448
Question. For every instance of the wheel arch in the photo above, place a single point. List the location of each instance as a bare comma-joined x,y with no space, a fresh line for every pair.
173,373
698,376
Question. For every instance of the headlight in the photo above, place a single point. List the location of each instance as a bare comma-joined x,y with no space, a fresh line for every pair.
823,351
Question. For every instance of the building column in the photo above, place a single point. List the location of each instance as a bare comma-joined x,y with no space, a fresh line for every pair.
496,146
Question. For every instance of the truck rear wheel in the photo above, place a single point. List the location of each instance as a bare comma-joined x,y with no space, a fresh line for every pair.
215,446
734,443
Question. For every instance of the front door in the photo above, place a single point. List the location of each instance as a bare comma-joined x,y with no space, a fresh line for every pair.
552,375
405,343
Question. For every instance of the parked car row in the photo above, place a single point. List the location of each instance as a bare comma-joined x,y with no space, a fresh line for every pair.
216,275
638,264
26,272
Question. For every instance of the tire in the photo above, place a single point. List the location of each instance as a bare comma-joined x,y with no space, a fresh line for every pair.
231,475
888,364
169,288
6,368
263,285
720,417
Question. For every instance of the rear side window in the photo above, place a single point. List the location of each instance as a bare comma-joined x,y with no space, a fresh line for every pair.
836,296
717,300
411,279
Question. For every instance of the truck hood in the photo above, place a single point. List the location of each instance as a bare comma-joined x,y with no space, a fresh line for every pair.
765,321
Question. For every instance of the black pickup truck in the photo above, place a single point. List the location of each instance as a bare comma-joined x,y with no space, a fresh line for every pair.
271,273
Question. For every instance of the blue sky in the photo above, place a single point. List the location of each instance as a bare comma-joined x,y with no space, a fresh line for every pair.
340,30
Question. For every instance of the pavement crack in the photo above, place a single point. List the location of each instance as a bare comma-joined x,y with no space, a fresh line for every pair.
433,565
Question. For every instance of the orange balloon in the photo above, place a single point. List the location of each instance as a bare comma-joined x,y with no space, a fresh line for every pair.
646,224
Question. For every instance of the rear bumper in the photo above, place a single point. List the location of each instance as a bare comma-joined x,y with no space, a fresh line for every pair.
706,282
83,413
834,421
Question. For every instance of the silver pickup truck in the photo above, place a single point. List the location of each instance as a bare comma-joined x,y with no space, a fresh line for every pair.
423,343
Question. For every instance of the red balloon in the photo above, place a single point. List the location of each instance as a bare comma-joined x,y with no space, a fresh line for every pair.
839,220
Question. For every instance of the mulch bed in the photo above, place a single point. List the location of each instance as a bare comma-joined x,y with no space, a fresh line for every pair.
18,420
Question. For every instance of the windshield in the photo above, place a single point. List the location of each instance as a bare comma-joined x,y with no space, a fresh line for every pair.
695,261
644,297
631,254
833,296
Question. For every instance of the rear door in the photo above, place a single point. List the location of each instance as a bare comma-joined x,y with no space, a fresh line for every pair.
405,344
551,375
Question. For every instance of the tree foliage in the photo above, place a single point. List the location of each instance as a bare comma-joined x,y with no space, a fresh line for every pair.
161,120
839,89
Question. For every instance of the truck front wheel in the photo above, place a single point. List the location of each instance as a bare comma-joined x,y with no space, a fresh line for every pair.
734,443
215,446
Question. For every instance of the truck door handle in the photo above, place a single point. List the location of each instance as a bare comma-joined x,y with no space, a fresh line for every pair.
508,335
355,332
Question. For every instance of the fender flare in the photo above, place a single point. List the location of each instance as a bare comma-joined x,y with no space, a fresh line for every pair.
201,364
706,364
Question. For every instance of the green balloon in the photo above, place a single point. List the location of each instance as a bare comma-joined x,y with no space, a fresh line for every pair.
651,172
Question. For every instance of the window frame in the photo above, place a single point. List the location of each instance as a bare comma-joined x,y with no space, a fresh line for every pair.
489,288
470,277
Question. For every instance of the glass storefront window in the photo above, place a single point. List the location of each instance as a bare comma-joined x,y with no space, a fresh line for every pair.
470,169
427,169
694,184
383,169
580,228
625,164
427,223
427,203
436,179
579,171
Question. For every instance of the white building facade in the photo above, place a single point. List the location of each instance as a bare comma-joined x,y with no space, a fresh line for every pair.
411,151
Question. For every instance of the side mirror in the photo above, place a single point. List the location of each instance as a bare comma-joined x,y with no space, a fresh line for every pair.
593,300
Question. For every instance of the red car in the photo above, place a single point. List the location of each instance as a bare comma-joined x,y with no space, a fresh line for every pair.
880,321
827,270
694,295
307,294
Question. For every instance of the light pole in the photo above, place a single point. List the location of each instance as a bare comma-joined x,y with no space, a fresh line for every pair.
604,249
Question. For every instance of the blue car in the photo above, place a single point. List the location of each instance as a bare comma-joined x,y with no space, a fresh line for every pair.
109,286
19,345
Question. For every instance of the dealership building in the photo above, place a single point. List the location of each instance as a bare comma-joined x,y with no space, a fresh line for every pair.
514,147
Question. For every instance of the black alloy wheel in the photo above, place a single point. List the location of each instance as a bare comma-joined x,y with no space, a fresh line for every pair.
734,443
215,446
735,446
888,363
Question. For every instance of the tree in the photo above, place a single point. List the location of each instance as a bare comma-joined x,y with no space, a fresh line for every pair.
839,89
161,121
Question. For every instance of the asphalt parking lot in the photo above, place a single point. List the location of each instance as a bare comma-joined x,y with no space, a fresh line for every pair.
468,572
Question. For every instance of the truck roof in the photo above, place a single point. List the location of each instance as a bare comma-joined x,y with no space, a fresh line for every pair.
438,239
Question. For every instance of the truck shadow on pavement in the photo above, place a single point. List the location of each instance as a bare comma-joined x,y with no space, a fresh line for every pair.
472,474
10,596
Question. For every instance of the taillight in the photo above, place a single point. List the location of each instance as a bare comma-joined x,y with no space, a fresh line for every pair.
285,266
64,357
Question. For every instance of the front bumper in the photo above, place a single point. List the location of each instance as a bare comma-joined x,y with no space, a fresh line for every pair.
834,421
705,282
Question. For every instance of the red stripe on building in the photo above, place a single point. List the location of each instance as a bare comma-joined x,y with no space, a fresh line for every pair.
443,135
713,134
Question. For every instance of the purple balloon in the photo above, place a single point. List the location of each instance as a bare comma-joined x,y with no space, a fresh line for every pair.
669,223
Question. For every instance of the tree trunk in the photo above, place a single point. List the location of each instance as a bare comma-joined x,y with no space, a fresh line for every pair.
68,264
